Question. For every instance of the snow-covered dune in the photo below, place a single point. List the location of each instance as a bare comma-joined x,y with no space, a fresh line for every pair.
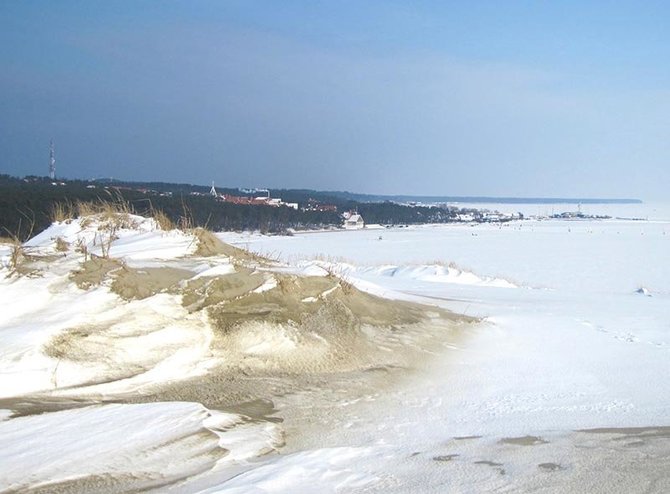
133,358
174,362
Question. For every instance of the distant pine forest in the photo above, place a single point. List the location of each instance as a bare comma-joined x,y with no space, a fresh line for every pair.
27,206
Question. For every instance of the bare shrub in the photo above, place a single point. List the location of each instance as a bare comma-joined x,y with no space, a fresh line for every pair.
82,248
106,239
17,255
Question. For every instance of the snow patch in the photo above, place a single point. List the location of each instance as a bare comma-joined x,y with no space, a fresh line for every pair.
436,274
331,469
218,270
269,284
145,445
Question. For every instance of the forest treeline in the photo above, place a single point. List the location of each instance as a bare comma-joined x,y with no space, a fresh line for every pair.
27,204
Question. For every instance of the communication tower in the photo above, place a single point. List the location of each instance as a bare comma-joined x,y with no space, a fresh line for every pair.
52,161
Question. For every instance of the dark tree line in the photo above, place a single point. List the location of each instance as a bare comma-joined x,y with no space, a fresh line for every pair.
26,206
216,215
390,213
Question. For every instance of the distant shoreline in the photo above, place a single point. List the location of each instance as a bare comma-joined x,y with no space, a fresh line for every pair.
480,199
540,200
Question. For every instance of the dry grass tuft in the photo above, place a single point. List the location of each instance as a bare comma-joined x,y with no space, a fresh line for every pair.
286,284
346,286
112,215
62,211
112,209
104,209
84,209
186,222
18,253
162,220
62,245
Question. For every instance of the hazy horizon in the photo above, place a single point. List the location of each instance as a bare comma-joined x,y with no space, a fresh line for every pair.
434,99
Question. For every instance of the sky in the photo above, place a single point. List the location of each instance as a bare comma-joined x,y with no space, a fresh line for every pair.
513,98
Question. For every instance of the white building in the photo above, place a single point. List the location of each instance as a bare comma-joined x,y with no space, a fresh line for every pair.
353,221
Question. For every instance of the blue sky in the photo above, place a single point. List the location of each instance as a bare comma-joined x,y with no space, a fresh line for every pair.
442,98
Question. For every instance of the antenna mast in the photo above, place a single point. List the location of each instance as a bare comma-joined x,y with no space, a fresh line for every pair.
52,161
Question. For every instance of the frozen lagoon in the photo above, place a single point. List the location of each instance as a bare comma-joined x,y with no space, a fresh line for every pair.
568,344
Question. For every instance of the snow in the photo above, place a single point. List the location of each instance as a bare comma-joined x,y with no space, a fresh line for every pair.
573,292
567,343
429,273
269,284
334,469
138,238
152,444
574,335
172,342
218,270
129,346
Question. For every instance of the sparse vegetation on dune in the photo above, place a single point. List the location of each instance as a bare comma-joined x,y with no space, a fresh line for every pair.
62,211
107,209
17,255
162,220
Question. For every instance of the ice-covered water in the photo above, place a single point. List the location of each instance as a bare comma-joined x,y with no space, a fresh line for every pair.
579,338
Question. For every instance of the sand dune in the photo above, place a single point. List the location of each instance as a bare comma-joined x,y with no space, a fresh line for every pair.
196,321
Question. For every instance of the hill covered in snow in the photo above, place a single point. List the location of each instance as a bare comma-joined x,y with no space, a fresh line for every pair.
135,357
